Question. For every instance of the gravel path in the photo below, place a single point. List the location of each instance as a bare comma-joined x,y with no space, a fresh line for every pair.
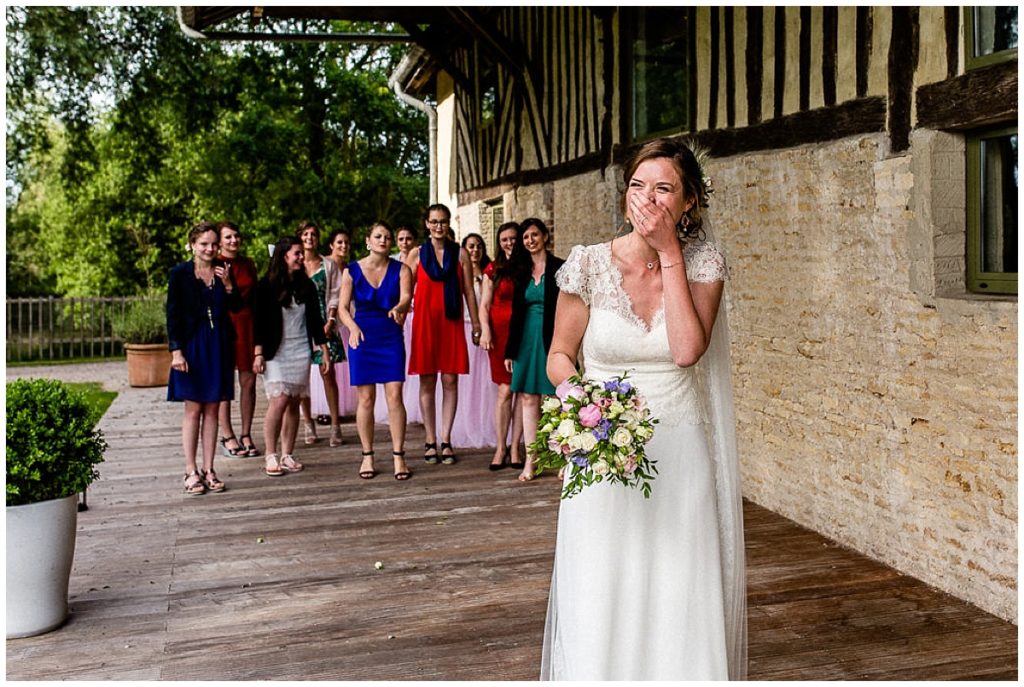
112,374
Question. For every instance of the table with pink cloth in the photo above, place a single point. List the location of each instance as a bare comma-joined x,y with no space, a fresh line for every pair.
474,419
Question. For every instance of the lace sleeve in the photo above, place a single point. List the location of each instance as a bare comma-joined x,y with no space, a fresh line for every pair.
573,276
705,263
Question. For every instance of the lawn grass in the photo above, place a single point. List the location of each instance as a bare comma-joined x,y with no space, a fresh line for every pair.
98,398
65,361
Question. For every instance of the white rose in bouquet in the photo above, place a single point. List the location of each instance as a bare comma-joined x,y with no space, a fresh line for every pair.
622,437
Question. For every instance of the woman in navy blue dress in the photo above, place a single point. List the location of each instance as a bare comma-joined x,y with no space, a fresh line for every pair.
381,290
200,293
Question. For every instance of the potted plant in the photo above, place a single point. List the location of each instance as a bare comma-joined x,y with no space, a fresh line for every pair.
53,448
143,329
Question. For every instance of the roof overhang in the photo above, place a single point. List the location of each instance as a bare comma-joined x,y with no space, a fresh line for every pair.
431,28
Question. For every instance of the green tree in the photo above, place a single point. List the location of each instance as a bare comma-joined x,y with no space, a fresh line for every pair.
122,133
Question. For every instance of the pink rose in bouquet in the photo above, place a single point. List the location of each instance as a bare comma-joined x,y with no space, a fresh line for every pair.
590,415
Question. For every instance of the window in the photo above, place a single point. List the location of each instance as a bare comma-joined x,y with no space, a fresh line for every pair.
992,211
492,216
660,71
991,34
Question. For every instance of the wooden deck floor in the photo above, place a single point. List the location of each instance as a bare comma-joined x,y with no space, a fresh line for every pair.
275,579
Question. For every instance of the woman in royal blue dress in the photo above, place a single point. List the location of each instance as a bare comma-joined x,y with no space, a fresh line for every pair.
381,290
200,293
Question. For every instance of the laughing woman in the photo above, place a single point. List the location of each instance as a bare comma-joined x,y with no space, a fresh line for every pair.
532,326
326,278
199,294
287,317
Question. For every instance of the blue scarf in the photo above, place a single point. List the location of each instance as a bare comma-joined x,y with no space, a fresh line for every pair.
448,273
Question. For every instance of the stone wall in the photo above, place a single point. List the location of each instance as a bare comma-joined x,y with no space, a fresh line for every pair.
881,419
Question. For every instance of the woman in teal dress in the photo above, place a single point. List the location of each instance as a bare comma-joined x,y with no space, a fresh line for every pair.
326,277
532,325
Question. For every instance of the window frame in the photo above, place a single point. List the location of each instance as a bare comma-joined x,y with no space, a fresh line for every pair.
972,62
629,67
979,281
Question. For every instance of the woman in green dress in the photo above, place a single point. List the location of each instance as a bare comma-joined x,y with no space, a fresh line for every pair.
326,277
531,326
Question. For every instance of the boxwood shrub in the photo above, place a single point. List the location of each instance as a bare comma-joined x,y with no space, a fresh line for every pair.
53,446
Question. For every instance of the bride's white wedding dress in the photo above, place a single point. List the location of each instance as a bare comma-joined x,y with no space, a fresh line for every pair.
650,589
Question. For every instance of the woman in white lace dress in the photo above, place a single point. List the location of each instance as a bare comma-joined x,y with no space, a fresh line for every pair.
286,313
652,589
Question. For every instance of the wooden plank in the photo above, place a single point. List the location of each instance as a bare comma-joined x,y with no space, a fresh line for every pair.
275,578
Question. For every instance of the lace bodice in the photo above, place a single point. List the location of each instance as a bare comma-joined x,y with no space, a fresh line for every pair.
617,340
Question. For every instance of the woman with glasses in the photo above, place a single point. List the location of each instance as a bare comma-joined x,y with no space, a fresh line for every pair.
444,279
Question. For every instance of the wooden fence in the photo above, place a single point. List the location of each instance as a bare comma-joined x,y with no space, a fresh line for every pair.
52,328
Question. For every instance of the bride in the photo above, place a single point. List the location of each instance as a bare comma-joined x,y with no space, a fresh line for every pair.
653,589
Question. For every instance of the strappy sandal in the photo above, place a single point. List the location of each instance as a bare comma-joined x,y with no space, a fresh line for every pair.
289,464
309,432
194,484
371,473
336,439
273,466
212,483
405,474
431,459
250,449
447,458
233,452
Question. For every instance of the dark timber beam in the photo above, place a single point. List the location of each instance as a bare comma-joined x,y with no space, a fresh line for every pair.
981,97
500,47
438,52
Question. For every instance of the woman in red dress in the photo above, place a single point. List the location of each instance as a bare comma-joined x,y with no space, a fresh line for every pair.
495,314
243,271
444,278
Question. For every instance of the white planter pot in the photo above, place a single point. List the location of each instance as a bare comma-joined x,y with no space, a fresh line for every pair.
40,551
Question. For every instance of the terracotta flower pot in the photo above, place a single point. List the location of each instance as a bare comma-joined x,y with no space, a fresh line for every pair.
148,364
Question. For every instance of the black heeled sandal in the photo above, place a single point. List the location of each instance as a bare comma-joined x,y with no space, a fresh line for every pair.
367,474
494,467
241,451
447,458
430,459
405,474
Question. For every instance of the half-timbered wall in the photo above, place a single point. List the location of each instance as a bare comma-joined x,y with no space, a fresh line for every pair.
763,78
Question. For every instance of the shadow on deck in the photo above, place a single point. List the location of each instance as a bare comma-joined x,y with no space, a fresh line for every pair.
276,578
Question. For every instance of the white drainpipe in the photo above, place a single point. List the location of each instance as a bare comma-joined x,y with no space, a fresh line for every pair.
395,82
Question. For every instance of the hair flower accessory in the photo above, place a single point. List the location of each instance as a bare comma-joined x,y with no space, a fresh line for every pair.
596,431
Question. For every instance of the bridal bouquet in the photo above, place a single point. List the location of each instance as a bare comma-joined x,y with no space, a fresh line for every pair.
596,431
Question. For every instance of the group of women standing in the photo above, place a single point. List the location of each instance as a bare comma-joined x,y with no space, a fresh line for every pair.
321,310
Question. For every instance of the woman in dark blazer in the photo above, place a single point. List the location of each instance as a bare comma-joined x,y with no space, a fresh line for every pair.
532,326
200,337
286,312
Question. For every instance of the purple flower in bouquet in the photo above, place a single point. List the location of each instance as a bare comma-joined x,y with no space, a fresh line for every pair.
580,459
601,430
590,415
618,386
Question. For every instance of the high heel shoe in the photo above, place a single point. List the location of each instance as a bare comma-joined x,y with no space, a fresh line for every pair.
335,439
238,452
371,473
401,475
309,432
494,467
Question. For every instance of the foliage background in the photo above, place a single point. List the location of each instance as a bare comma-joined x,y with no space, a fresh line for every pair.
122,132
